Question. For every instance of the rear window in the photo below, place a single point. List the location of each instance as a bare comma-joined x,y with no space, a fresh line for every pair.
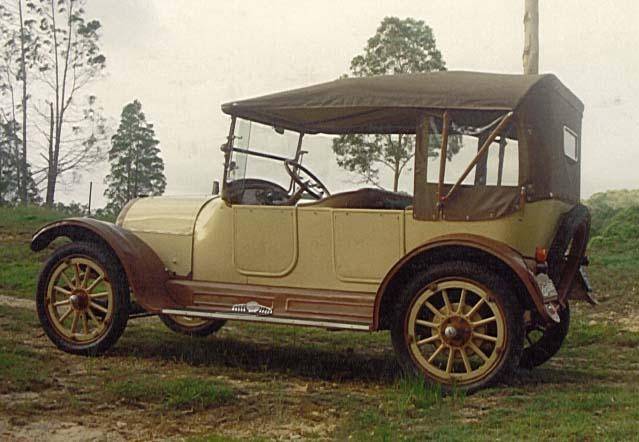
571,144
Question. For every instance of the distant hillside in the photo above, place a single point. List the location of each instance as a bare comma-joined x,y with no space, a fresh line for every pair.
615,227
605,205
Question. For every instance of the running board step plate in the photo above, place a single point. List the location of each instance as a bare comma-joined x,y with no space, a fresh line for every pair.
266,319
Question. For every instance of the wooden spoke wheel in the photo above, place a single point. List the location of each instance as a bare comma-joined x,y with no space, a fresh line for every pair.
460,326
192,326
82,298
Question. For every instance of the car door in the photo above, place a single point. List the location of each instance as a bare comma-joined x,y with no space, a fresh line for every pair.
264,240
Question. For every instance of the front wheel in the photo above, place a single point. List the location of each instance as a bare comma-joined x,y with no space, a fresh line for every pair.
82,298
460,325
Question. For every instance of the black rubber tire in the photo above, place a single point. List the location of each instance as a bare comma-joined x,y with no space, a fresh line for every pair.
121,297
201,331
549,344
568,226
504,294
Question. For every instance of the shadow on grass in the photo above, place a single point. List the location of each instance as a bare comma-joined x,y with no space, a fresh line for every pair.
326,359
297,359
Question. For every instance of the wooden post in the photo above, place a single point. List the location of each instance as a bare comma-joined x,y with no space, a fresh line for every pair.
531,37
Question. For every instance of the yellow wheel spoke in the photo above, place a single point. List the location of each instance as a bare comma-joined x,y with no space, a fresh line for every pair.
462,302
466,361
85,323
438,351
449,308
451,358
93,317
428,340
65,314
74,324
67,280
76,277
94,284
477,350
484,337
98,307
433,309
476,307
484,321
61,290
85,278
99,295
425,323
60,303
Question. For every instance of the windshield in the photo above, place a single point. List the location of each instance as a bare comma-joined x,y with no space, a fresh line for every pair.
259,153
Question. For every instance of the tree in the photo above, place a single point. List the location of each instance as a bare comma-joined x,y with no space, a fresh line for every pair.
398,47
10,167
19,55
70,60
136,166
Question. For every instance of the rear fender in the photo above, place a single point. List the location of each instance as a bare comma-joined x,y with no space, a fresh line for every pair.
459,246
145,272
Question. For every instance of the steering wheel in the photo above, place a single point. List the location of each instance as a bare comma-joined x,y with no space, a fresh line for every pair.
308,183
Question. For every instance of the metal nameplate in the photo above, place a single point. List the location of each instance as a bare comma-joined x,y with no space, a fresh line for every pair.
252,308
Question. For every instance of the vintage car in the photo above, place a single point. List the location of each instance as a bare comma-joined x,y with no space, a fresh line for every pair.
472,274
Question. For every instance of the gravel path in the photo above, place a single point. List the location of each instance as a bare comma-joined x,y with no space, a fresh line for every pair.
12,301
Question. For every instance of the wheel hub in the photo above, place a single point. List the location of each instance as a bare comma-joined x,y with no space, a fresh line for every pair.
456,331
79,300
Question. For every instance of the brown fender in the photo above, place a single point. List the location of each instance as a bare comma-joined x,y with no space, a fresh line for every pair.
493,249
145,272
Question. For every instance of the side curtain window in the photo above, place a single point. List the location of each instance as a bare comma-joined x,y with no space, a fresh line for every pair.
498,166
571,144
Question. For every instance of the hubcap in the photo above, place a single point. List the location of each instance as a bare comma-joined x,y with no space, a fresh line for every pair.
456,332
79,299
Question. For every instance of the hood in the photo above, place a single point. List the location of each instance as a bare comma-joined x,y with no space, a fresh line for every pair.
168,215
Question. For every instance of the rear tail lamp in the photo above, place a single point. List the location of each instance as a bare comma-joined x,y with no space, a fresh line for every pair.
541,255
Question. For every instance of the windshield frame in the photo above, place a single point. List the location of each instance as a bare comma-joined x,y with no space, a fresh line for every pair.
228,148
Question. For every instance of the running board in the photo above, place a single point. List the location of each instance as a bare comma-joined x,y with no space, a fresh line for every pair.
267,319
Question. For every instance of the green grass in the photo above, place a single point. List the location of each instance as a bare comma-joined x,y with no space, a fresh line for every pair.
180,393
21,369
589,391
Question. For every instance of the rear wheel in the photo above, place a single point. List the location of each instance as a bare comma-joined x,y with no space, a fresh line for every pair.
82,298
188,325
544,341
459,325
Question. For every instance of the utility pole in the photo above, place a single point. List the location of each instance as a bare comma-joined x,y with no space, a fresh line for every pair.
531,37
90,195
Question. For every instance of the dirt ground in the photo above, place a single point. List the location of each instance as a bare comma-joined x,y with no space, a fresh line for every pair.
291,383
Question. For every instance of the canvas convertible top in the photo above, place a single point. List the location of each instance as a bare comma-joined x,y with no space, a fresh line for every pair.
394,103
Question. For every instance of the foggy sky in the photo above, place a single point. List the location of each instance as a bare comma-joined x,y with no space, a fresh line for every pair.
182,59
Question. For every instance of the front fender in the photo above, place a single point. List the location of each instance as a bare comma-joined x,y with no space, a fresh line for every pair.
145,272
488,248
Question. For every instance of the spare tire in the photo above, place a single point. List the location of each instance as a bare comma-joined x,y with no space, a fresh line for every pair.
568,247
564,258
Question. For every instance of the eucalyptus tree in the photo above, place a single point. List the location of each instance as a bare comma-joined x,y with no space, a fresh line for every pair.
70,59
398,47
19,44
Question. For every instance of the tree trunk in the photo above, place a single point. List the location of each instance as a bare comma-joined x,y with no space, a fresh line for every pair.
531,37
51,172
396,166
24,196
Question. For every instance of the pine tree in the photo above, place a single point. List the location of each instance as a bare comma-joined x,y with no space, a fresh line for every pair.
136,167
10,165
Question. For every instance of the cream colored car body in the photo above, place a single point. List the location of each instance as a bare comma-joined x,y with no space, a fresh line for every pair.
308,247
